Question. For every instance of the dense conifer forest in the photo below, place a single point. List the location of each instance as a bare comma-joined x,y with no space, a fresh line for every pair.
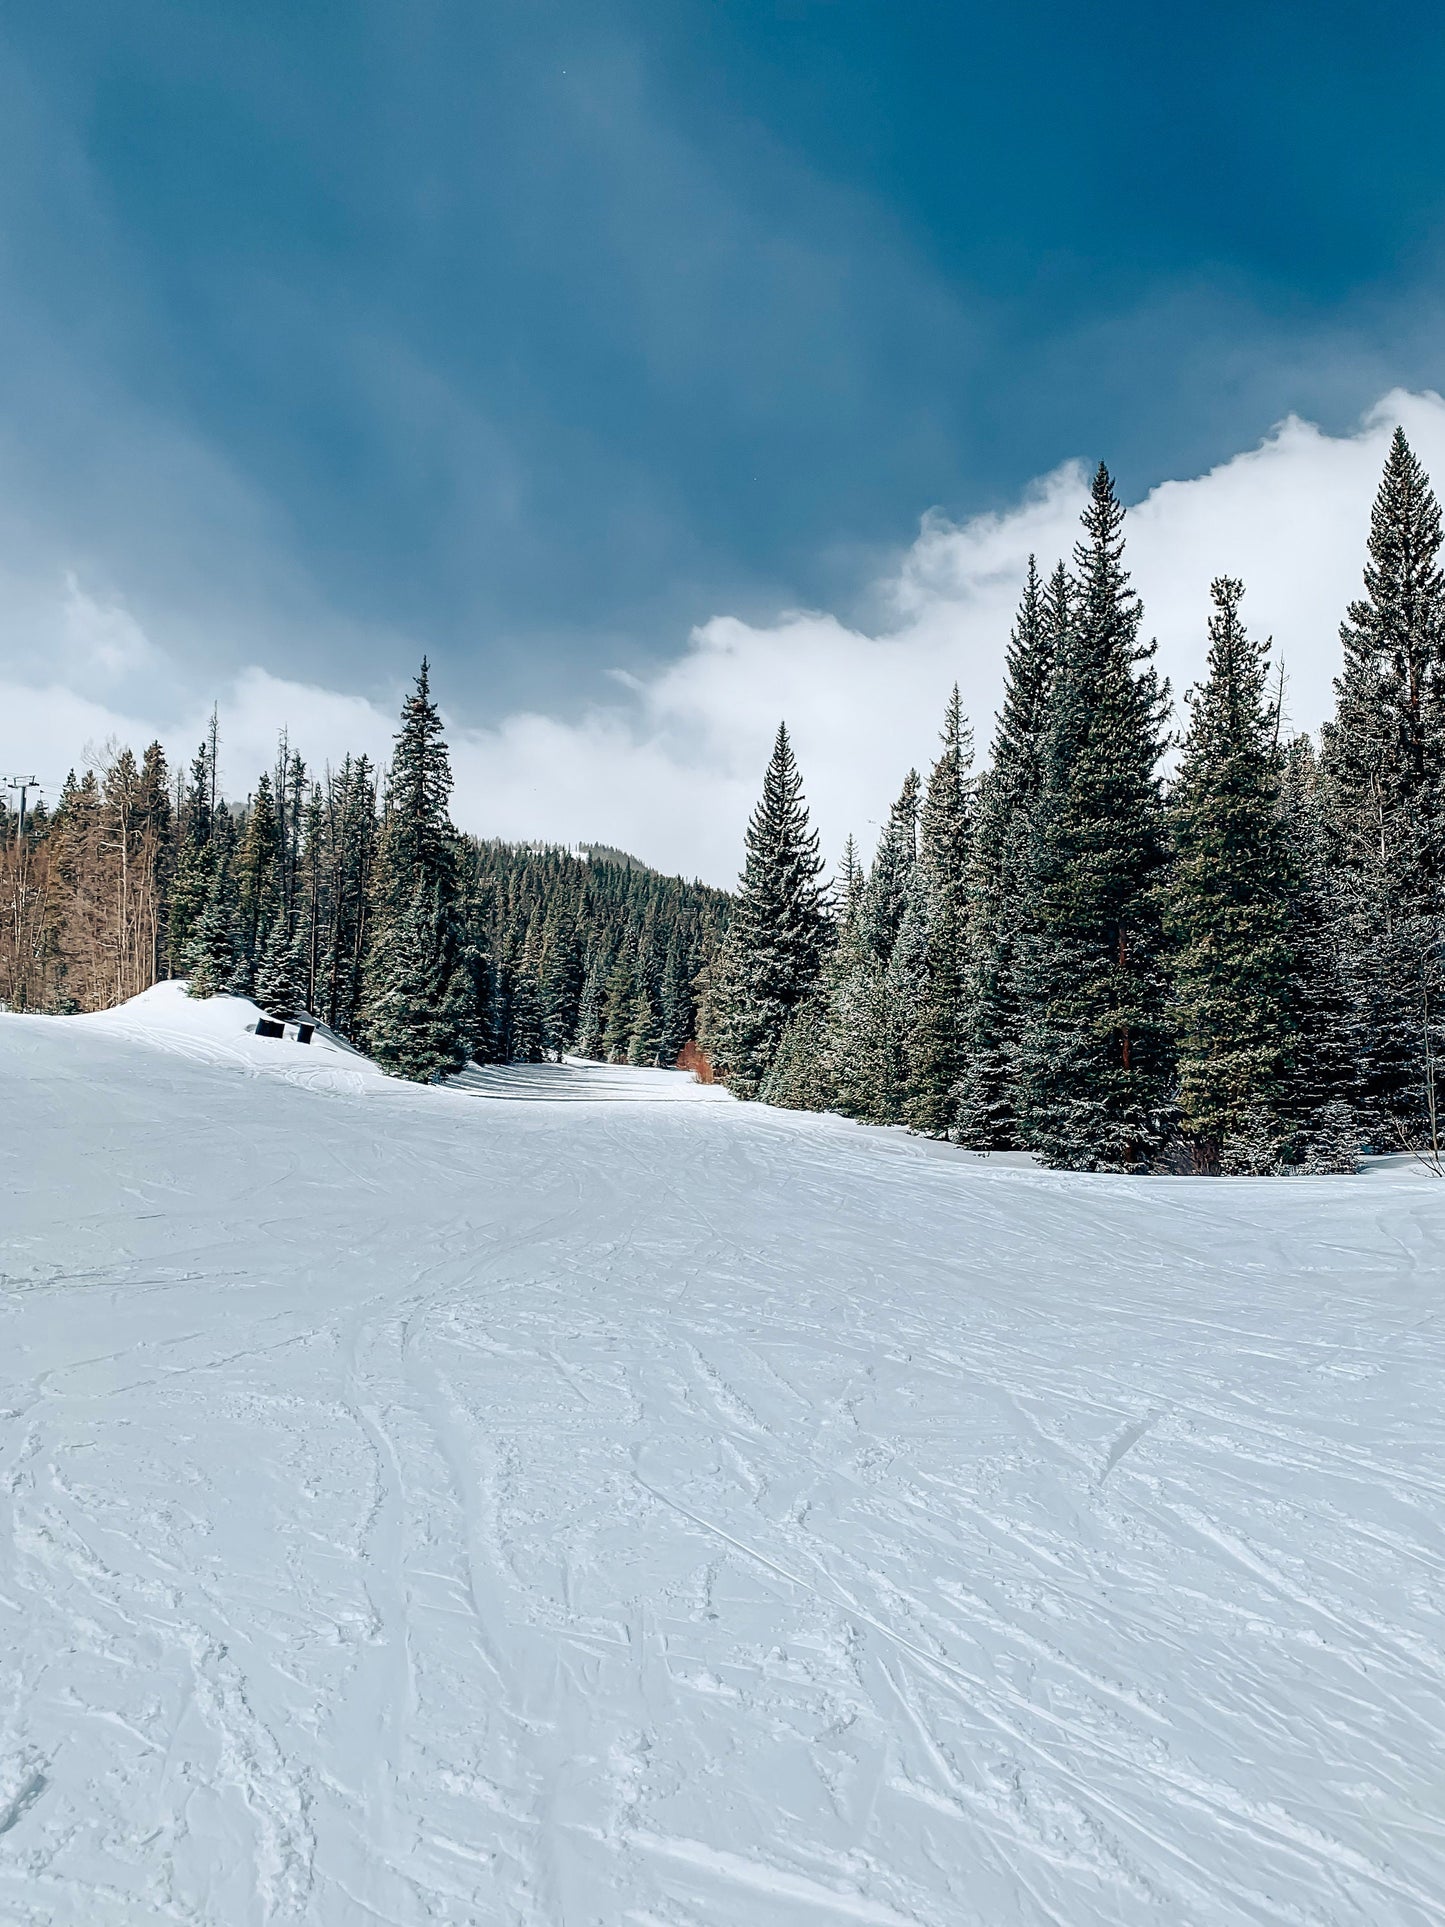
1231,960
354,901
1236,968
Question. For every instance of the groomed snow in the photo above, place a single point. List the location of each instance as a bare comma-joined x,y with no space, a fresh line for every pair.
416,1507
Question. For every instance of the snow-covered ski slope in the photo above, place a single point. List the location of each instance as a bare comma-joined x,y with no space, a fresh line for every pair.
421,1508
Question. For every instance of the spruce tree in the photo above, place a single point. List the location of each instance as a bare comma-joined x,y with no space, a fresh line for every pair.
158,853
621,1002
801,1075
418,844
588,1041
818,1045
417,882
875,1007
561,977
1384,766
936,1045
999,872
779,931
1228,895
524,1016
258,873
1094,1042
890,877
1322,1082
466,1011
214,942
676,1006
194,862
281,972
413,1026
848,890
645,1036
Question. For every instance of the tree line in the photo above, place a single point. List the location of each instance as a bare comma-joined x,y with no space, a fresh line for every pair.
1237,967
353,899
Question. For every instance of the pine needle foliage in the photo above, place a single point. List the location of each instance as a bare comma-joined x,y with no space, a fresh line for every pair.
779,932
1227,897
937,1043
1094,1045
1384,768
999,873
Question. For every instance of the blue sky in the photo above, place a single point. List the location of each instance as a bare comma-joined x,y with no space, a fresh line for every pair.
579,344
534,333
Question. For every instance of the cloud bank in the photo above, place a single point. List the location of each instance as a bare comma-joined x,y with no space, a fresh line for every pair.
671,767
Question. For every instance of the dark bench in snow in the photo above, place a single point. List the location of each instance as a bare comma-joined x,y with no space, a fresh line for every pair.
272,1027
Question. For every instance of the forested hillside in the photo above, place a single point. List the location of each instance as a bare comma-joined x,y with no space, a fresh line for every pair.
354,900
1239,969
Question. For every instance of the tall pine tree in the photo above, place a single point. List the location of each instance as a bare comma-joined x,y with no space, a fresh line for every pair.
779,932
1227,901
1384,767
1094,1044
417,878
877,1003
1321,1084
937,1044
999,867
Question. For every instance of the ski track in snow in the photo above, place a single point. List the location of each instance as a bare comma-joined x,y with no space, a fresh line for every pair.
419,1508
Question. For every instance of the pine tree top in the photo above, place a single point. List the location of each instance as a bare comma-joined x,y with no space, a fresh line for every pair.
1230,742
1042,618
1399,611
419,841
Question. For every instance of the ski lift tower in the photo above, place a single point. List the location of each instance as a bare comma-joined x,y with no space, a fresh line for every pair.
24,784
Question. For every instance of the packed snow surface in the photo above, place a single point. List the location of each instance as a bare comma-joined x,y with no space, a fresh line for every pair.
419,1507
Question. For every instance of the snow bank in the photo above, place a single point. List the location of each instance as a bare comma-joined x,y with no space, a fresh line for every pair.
416,1509
221,1031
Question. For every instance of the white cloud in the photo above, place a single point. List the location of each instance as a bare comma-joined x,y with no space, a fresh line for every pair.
671,768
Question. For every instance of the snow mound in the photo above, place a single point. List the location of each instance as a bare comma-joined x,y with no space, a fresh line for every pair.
221,1031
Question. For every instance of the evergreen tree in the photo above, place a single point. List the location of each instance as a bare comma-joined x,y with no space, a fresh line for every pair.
1000,874
413,1023
589,1012
876,1008
524,1017
1321,1080
1227,900
646,1034
344,862
937,1038
259,873
417,879
848,890
214,943
779,931
281,972
886,893
1094,1045
155,868
561,977
1384,764
621,1005
676,1007
466,1011
194,865
801,1075
418,844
